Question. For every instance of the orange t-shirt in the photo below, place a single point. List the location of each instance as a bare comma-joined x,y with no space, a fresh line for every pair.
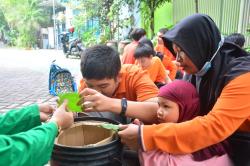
157,71
135,84
167,60
128,53
230,113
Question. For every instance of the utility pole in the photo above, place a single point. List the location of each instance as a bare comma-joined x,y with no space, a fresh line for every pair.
54,19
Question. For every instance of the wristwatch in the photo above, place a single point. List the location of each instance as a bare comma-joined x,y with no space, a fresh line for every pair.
124,105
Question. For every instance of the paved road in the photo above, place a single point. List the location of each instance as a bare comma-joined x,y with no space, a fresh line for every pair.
24,76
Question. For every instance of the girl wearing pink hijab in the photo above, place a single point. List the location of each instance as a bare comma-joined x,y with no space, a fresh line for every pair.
179,102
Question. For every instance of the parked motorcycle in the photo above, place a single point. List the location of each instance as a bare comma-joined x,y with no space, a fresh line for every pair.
75,48
65,42
72,47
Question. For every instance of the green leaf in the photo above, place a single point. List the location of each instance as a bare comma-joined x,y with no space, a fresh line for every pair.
73,99
110,126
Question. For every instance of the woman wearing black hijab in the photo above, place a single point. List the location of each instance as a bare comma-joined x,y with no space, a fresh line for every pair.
220,72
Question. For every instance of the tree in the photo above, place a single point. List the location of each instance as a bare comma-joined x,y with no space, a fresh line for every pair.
23,18
3,26
115,13
85,21
29,22
147,8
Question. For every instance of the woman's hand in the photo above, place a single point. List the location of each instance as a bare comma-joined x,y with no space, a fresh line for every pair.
129,135
45,111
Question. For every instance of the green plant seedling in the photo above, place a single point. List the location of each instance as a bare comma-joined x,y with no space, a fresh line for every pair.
110,126
73,99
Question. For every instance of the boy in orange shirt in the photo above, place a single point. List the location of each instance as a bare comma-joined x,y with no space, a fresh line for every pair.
112,85
153,65
128,54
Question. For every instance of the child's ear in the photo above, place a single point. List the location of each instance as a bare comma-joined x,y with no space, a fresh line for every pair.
118,78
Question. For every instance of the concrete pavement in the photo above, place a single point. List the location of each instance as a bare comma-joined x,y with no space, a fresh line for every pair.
24,76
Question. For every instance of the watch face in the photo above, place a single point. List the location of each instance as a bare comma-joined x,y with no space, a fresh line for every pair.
124,106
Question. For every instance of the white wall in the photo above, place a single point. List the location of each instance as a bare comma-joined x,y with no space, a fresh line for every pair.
51,37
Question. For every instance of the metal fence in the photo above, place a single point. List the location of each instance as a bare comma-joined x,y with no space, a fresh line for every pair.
230,15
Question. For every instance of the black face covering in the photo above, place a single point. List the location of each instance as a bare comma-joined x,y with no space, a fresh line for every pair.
199,37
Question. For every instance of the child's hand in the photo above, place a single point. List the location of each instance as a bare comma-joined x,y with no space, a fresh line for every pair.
129,135
137,122
63,118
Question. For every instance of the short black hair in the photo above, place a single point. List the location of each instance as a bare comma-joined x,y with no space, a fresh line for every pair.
100,62
149,43
146,41
137,33
143,50
163,30
236,38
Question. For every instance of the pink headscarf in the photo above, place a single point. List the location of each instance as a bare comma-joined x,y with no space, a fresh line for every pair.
185,95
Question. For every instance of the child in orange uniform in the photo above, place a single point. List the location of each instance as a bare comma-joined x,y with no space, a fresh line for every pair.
179,102
152,64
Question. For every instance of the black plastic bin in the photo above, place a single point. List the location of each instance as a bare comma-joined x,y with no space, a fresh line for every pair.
108,154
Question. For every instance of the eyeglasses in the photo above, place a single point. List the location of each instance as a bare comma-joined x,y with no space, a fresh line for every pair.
180,55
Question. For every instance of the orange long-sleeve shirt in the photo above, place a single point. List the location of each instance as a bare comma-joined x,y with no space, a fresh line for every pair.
167,60
230,113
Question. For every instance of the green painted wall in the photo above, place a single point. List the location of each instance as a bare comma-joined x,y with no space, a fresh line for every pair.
230,15
164,16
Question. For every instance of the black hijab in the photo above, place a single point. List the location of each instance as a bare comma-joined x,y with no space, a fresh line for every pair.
199,37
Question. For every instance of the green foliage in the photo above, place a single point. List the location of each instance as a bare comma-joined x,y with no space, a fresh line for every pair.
107,12
11,36
78,22
73,98
88,11
3,22
119,23
104,9
105,35
110,126
147,8
89,38
247,49
248,30
23,18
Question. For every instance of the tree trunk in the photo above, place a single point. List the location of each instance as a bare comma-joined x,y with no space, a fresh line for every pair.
196,6
152,28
